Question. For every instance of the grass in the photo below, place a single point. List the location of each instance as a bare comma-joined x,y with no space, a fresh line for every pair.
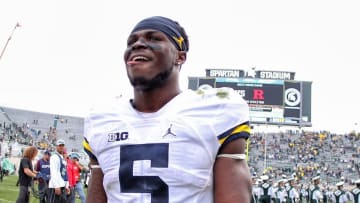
9,192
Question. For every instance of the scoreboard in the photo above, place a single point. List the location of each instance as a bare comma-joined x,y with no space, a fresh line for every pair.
271,101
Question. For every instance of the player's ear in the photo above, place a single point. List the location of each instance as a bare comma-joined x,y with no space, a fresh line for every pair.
181,57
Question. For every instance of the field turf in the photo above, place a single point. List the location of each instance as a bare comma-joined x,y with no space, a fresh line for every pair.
9,191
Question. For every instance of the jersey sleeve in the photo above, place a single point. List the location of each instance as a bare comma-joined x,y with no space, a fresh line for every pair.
87,135
239,131
232,120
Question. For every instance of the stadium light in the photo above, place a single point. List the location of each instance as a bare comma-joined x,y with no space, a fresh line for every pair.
8,40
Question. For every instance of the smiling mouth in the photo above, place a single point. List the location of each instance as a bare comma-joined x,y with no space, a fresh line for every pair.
137,59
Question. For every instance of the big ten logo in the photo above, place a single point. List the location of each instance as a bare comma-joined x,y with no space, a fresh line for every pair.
118,136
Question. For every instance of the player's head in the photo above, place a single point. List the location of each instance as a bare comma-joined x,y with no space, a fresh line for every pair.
156,49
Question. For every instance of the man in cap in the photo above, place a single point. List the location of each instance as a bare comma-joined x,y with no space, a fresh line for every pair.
142,149
315,193
255,189
280,195
326,192
339,195
304,193
70,197
292,192
43,167
355,192
78,167
58,184
265,190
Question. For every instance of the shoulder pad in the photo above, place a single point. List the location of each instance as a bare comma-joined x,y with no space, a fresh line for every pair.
337,192
356,191
207,90
265,185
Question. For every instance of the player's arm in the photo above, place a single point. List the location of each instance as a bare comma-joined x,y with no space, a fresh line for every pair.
232,179
96,192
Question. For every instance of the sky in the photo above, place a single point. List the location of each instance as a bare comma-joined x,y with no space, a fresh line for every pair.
68,55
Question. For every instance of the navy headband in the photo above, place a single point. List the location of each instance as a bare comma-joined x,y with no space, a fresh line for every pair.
166,26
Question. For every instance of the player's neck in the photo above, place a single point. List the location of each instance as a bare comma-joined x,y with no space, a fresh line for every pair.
153,101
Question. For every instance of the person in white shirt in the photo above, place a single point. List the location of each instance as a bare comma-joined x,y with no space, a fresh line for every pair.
292,191
355,192
280,194
339,196
255,189
316,194
265,190
58,184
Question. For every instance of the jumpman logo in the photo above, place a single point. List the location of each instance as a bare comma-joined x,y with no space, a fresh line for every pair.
168,132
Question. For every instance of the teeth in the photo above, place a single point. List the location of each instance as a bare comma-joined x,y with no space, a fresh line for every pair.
140,58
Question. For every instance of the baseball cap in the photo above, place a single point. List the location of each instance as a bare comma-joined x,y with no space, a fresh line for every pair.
340,183
316,178
264,177
357,181
59,142
47,152
75,156
282,180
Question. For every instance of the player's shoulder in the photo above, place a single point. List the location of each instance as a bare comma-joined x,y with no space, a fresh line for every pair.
220,95
225,104
108,108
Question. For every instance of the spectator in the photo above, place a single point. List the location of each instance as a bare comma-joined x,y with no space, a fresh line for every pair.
70,197
58,184
79,187
43,167
26,174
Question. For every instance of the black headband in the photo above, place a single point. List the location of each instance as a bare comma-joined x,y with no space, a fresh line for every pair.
166,26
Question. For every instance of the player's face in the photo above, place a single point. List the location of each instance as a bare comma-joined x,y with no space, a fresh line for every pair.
150,59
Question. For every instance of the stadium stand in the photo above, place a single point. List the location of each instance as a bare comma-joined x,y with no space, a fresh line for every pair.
306,154
288,152
40,129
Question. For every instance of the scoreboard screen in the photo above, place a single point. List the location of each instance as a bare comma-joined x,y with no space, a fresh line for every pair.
271,101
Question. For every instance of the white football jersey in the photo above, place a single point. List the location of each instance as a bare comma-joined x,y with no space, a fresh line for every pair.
168,155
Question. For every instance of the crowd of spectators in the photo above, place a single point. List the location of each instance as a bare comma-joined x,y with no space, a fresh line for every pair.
306,154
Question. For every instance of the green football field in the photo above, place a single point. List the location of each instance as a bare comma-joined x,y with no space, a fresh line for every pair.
9,191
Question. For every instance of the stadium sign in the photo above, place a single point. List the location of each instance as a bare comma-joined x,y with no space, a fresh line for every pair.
275,75
224,73
271,101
